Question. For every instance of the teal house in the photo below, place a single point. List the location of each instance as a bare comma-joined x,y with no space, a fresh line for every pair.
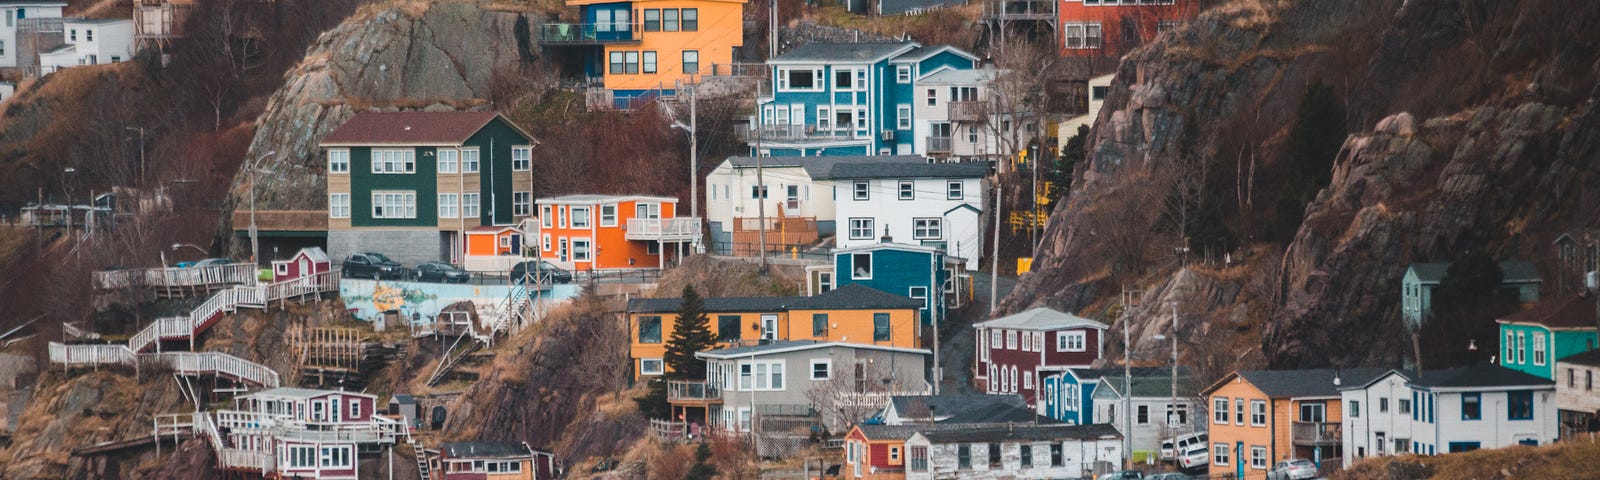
915,271
1416,297
848,98
1532,340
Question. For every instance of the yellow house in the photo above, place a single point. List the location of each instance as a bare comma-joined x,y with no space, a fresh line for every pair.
646,48
850,314
1261,417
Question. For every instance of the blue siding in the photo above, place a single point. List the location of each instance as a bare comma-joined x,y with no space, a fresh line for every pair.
897,271
1057,392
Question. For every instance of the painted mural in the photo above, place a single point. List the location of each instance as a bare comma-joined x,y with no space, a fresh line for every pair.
421,302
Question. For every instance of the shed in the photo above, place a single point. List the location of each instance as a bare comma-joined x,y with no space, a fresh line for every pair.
405,407
307,262
492,248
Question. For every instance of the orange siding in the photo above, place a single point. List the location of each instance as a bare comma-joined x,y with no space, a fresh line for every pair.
853,326
609,247
1232,433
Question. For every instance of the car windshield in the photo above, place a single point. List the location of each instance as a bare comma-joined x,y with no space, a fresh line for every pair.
1301,463
379,257
547,266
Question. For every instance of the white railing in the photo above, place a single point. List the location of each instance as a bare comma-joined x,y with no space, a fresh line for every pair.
196,363
90,354
310,285
207,276
233,458
681,228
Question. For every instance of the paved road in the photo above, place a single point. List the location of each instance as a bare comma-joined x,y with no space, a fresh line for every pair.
980,285
956,347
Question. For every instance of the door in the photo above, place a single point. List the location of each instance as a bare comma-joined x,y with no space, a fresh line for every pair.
769,327
304,268
793,198
516,244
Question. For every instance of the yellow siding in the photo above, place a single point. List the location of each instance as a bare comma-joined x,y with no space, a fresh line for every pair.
853,326
721,29
1232,433
339,183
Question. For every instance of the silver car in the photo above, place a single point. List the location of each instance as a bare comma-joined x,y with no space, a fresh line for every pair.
1293,469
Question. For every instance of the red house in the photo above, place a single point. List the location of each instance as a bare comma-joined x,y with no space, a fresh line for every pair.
307,262
1112,28
1014,352
290,433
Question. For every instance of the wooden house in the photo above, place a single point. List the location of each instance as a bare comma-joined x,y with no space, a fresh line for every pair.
299,433
307,262
1009,451
1260,417
612,232
492,248
493,461
1533,339
404,408
1016,352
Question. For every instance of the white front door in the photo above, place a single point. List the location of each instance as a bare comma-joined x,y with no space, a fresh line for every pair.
305,267
769,327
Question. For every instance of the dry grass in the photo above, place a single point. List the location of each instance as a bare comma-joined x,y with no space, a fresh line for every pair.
1577,459
949,26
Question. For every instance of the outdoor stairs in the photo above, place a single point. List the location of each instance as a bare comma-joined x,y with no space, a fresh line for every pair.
422,459
452,357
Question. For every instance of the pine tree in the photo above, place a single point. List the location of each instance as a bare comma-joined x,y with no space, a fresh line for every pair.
690,334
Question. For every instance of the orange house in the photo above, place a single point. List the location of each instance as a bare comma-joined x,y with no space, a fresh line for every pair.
492,248
876,452
1112,28
612,232
1260,417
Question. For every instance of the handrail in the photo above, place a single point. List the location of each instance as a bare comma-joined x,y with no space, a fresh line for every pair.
162,277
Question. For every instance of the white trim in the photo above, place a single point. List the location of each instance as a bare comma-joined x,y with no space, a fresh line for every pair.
747,352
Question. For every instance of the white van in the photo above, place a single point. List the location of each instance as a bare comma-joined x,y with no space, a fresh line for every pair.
1185,443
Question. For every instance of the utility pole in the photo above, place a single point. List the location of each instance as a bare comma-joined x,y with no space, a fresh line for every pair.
1173,409
761,204
1127,382
994,257
255,241
694,161
141,151
935,302
772,42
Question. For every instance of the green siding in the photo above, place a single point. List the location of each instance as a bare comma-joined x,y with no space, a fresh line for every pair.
363,182
494,142
1560,344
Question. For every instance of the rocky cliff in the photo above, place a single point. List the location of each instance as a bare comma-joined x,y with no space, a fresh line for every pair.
416,55
1473,126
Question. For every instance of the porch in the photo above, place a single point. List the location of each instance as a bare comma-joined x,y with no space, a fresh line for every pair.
1317,434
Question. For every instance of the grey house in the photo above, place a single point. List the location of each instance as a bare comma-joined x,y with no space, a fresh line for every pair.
1416,296
841,383
1013,452
1151,408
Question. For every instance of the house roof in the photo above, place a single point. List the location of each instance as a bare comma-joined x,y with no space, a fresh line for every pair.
1002,433
411,128
403,399
1486,375
971,408
1152,386
301,393
852,171
888,246
592,199
786,346
1590,358
1572,312
315,254
1118,372
923,52
490,229
485,450
1301,383
63,48
849,297
900,7
902,432
96,21
821,168
1042,318
952,76
1512,272
830,52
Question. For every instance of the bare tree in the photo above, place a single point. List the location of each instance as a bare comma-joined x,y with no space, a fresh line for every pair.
1016,103
856,390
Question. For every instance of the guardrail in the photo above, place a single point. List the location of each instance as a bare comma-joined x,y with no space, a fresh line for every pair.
174,277
587,33
677,228
939,145
693,391
801,132
739,70
1317,433
182,363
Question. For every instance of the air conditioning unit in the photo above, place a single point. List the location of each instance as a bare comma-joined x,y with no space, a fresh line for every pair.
887,135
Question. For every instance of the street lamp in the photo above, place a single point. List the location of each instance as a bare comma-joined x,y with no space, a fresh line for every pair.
253,167
197,248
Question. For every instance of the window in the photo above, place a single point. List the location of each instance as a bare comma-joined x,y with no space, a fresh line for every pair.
1219,410
1405,406
1519,405
650,366
1011,339
880,327
728,328
521,158
767,375
650,329
952,190
338,159
469,160
616,63
1238,411
545,216
1354,409
449,206
301,456
902,74
927,229
964,456
339,205
448,159
933,97
521,203
691,61
545,244
1511,349
908,190
580,249
799,79
819,325
691,19
1522,348
758,191
1177,414
1588,379
1056,455
845,79
1572,378
1383,404
860,229
394,204
1538,349
821,369
608,215
469,205
1219,454
1258,457
860,263
649,61
72,35
630,62
652,20
862,191
1471,406
393,161
1084,35
894,455
334,457
919,459
1027,456
1142,416
1258,413
669,20
1070,341
580,217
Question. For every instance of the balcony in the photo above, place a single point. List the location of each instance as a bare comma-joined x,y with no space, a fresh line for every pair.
696,393
1020,10
682,229
783,234
800,133
588,34
750,70
938,145
968,111
1317,434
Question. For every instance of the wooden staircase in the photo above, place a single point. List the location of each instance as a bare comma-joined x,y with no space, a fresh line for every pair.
422,459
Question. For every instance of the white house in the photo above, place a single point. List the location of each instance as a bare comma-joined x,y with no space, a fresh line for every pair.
1009,451
794,187
790,378
960,120
15,11
1152,408
1446,411
1098,88
89,42
1576,395
931,204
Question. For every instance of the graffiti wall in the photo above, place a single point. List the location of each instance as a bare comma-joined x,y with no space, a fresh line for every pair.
421,302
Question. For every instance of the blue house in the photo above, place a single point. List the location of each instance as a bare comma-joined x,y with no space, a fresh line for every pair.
847,98
901,269
1069,395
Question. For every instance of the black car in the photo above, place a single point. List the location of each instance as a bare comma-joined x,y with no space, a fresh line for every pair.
441,272
549,273
374,266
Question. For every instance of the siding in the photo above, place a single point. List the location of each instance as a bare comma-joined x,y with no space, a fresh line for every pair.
1080,459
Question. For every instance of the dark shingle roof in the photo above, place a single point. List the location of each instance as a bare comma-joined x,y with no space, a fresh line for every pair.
1590,358
1512,271
1485,375
856,296
409,128
1572,311
821,168
485,450
785,346
902,432
842,52
1154,386
1118,372
843,171
848,297
1003,433
1307,383
719,304
972,408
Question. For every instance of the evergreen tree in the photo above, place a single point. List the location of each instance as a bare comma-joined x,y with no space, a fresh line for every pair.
1060,177
690,334
654,402
1314,140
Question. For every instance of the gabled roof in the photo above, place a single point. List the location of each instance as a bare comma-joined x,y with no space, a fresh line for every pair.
63,48
1300,383
829,52
1086,374
485,450
1004,433
315,254
869,170
787,346
902,432
95,21
492,229
849,297
1589,358
403,399
1151,386
923,52
887,246
1572,312
1512,271
971,408
1042,318
715,304
953,76
821,168
412,128
589,199
1486,375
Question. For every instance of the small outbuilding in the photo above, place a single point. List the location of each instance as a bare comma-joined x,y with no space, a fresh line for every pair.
307,262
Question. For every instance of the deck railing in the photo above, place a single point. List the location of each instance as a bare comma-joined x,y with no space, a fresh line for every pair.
1317,433
967,111
174,277
182,363
938,144
692,391
778,133
1020,9
679,228
587,33
758,70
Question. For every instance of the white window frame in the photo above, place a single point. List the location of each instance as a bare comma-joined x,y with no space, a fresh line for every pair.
1258,408
902,115
610,219
471,161
1011,339
1076,36
1071,341
1258,457
546,217
646,364
1219,454
954,190
1219,410
819,81
906,190
902,73
449,205
586,253
394,161
521,158
930,228
545,242
757,381
827,369
579,216
1538,349
355,408
338,205
861,224
471,204
449,159
339,161
407,204
521,203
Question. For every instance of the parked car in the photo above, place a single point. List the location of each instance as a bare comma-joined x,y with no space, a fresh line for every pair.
1122,475
441,272
372,265
1293,469
1184,444
1195,458
544,270
1170,476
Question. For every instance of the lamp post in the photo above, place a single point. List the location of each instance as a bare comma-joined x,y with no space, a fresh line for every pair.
255,241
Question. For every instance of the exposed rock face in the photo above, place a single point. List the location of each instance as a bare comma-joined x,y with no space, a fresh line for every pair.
439,58
1475,128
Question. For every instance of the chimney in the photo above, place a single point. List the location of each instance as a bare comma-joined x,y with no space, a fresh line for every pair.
886,238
